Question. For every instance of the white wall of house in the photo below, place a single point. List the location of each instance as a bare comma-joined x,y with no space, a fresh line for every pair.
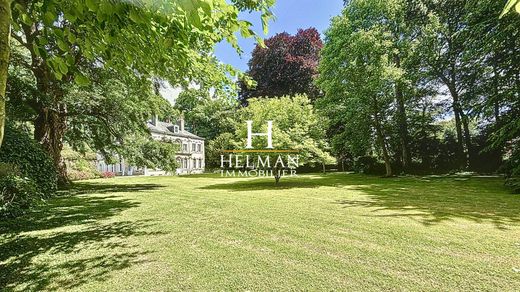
190,157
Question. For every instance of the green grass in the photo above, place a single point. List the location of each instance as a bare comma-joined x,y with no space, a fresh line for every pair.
333,232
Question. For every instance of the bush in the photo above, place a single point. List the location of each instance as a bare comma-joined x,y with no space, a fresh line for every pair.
108,174
17,194
32,161
75,174
369,165
8,168
80,166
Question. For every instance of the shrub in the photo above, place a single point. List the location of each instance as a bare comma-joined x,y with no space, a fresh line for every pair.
80,166
74,174
369,165
32,161
17,194
8,168
108,174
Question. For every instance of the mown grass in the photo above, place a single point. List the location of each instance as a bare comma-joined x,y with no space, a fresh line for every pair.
314,232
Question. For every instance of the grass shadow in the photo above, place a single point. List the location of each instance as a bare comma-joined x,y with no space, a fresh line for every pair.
427,200
76,227
89,187
435,201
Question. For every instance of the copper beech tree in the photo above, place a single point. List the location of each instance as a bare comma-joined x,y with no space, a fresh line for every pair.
286,65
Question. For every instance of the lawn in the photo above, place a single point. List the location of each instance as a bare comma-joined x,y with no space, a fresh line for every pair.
314,232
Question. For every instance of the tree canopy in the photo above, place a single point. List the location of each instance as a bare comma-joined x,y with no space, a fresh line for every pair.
64,41
286,65
427,84
296,126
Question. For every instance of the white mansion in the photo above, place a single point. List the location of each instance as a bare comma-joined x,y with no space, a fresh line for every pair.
190,157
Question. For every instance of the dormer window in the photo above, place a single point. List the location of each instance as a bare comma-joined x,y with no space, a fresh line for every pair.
176,129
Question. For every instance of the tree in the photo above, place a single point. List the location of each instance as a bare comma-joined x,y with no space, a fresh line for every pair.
5,33
107,116
296,126
442,50
155,154
207,115
422,51
361,75
285,66
169,39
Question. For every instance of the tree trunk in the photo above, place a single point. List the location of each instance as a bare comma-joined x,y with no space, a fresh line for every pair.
402,120
403,128
496,111
277,176
5,33
49,129
382,144
496,102
467,139
457,111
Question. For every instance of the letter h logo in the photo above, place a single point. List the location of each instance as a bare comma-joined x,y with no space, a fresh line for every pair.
250,134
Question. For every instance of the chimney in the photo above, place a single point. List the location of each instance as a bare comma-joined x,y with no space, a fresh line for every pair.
155,120
181,123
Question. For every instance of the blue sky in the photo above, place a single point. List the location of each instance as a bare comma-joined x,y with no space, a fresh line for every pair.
290,15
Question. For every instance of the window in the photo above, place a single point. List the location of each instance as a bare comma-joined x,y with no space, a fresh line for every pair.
199,148
193,147
185,147
176,129
197,163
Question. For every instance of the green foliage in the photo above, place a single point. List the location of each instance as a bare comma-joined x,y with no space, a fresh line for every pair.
409,68
144,151
296,126
80,166
111,110
17,194
180,34
215,148
369,165
32,161
9,169
359,74
514,184
207,115
170,40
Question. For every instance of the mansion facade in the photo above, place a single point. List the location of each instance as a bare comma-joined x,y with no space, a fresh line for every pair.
190,157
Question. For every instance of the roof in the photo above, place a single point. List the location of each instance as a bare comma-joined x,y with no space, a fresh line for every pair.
167,129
